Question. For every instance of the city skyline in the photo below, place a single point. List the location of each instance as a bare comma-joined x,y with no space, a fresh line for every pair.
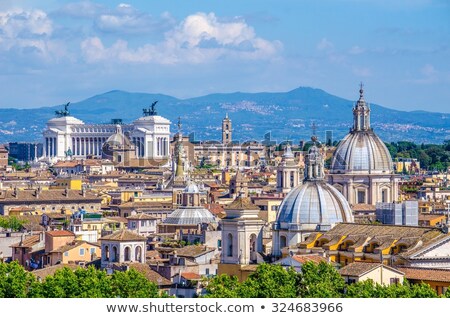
57,51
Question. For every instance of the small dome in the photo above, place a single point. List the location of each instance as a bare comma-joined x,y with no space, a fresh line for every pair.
119,140
191,188
362,152
288,154
313,205
189,216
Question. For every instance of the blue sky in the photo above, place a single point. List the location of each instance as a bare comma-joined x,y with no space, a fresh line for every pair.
52,52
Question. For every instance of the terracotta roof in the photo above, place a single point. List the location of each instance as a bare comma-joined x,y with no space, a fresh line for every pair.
310,258
397,231
215,208
191,276
193,250
150,274
44,272
66,164
241,203
117,219
29,241
426,274
141,216
25,196
71,246
152,255
123,236
60,233
429,217
361,268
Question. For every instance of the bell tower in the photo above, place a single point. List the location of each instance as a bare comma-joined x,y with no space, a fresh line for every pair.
226,130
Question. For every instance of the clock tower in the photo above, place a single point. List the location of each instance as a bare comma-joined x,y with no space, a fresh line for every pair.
226,130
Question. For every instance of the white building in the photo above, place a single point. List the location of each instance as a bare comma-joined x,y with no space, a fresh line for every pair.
66,136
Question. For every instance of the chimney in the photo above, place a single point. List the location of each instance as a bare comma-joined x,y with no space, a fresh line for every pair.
83,192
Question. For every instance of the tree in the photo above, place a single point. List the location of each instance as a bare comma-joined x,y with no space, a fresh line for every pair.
268,281
271,281
12,223
368,289
81,283
15,281
320,280
93,283
132,284
222,286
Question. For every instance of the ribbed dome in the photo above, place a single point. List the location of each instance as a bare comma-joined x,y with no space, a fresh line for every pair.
189,216
313,205
362,152
118,140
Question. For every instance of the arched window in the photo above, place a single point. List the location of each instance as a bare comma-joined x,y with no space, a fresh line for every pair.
127,254
283,242
230,245
114,254
137,253
106,252
253,248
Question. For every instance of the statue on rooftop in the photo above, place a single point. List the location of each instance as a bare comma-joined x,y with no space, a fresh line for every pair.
65,112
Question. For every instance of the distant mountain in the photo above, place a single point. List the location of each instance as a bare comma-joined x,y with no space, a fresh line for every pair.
286,115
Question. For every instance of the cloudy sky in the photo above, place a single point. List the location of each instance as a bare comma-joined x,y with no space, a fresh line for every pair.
53,51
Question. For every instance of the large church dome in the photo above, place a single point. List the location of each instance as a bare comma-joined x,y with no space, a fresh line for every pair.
314,205
361,151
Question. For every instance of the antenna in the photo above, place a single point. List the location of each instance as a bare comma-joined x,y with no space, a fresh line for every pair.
179,124
314,128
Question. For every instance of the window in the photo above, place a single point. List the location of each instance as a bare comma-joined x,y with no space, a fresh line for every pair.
361,196
207,271
351,281
230,245
66,253
394,280
133,224
92,250
81,251
274,208
384,195
142,223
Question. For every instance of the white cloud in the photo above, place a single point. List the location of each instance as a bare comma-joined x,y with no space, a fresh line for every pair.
428,70
27,34
428,75
20,23
83,9
125,19
356,50
197,39
324,44
362,71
